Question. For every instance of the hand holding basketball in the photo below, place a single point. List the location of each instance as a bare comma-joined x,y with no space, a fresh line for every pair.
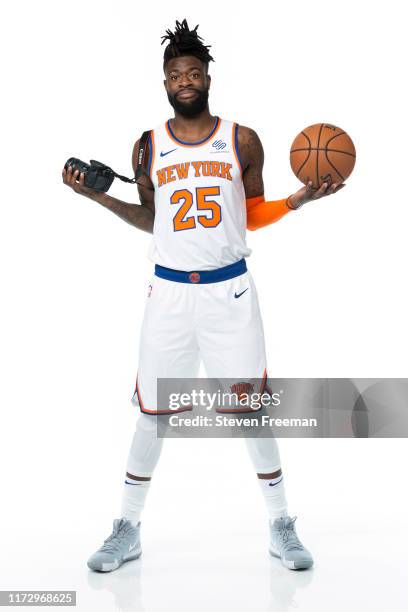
322,156
307,194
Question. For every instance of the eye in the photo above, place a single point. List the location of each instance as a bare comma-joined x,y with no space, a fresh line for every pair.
196,75
173,77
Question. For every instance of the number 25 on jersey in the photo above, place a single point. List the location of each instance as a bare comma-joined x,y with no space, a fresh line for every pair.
183,221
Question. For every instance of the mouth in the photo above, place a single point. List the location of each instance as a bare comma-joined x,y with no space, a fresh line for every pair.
186,94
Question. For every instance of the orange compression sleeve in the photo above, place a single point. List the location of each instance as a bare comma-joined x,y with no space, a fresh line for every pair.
261,213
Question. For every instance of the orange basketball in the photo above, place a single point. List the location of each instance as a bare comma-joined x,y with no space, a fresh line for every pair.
322,153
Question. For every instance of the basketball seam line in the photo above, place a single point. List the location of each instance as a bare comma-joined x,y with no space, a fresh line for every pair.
323,149
335,136
318,149
334,167
308,155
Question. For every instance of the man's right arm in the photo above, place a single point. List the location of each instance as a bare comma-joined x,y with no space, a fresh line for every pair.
139,215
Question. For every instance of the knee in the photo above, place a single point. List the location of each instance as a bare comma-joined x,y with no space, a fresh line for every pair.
147,423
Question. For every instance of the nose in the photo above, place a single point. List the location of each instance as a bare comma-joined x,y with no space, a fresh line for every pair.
184,81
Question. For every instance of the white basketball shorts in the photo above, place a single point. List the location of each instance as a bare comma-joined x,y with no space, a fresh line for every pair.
210,315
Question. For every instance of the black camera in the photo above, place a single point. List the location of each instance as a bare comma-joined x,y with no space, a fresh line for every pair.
100,177
97,175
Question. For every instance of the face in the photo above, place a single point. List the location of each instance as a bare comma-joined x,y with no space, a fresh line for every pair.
187,84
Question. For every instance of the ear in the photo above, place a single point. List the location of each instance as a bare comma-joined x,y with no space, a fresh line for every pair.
165,84
209,81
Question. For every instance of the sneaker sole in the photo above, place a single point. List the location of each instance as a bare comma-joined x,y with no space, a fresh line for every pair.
109,567
291,564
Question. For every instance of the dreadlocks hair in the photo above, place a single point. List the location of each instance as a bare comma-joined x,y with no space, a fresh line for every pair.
184,41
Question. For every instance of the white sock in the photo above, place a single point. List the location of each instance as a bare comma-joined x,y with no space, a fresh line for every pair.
264,453
133,499
144,454
273,490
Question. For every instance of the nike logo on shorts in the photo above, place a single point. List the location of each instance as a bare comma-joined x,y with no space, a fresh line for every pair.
162,154
238,295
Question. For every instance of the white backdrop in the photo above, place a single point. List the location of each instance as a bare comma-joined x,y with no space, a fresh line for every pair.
85,79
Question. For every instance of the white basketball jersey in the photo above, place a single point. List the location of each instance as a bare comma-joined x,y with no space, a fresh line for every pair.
200,218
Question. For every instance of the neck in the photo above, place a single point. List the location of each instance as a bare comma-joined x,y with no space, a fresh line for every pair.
204,121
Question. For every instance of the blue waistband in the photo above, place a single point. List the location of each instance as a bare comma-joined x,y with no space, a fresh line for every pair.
202,276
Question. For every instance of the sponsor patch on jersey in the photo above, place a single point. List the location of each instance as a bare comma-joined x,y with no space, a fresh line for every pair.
219,145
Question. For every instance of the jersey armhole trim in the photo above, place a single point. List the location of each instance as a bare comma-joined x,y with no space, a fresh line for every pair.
235,127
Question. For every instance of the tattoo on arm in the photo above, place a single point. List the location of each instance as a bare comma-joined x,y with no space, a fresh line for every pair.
139,215
252,156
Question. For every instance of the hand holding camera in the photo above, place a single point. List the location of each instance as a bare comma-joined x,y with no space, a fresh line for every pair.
95,177
76,180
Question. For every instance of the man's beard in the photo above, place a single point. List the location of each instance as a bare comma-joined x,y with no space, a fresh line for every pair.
190,108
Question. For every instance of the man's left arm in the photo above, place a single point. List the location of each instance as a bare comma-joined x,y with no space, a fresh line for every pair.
259,211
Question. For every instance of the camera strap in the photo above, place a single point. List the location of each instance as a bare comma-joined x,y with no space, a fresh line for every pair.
141,156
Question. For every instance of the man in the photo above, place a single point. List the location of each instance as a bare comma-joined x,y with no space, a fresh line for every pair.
202,188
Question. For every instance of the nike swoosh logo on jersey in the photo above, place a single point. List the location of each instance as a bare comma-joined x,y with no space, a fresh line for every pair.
162,154
135,484
132,546
237,295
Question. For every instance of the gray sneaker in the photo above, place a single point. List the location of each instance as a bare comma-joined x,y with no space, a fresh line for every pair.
122,545
286,545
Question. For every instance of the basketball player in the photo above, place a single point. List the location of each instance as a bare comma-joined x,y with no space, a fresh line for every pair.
202,188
